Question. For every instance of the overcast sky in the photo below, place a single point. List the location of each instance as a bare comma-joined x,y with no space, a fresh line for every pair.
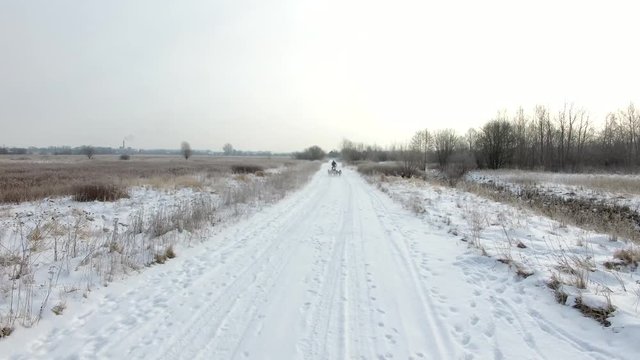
284,75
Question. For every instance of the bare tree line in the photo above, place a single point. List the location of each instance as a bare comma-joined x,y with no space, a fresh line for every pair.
562,140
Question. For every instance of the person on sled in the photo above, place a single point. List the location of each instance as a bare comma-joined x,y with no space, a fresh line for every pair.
333,165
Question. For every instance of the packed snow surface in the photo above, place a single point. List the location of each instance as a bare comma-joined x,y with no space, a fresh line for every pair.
337,270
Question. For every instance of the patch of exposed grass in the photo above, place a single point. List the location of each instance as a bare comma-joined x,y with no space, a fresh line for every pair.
159,258
605,218
169,253
5,331
600,314
99,192
628,258
59,308
246,169
54,176
604,182
555,284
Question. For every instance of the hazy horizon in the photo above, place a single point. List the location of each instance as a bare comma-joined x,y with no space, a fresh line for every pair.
284,75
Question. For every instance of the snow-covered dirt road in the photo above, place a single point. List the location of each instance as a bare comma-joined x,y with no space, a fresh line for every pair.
334,271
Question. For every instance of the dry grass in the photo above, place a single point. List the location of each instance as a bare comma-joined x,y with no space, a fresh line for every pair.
387,169
613,183
169,182
169,253
59,308
629,258
600,314
555,284
246,169
145,239
39,177
608,219
5,331
98,192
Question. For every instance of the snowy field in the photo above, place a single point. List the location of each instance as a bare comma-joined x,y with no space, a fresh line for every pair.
617,189
346,268
56,251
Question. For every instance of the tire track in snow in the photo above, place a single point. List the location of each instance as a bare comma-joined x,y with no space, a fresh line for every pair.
322,318
397,240
206,327
341,315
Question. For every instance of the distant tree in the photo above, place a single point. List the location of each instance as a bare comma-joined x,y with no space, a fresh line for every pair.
334,154
87,150
351,151
228,149
4,150
311,153
497,143
422,142
185,150
410,159
445,143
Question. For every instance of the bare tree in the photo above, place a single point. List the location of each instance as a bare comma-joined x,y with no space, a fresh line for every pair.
311,153
410,160
497,143
445,143
544,132
523,156
422,143
88,150
631,121
228,149
185,149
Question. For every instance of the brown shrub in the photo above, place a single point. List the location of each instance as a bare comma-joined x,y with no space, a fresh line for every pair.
246,169
159,258
599,314
169,253
98,192
59,308
628,257
5,331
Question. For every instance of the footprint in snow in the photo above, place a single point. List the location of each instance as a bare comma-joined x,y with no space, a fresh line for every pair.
390,338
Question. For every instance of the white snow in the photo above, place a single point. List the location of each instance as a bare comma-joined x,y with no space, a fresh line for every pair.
337,270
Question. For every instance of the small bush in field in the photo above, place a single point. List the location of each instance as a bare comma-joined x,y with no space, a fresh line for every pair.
246,169
627,257
98,192
169,253
600,314
59,308
159,258
5,331
125,157
454,172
